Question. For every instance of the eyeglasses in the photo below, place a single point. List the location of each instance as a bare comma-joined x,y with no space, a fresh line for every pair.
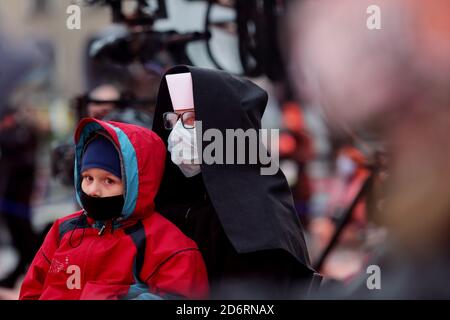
187,119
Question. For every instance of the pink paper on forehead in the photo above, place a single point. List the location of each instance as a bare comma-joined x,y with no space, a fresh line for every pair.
180,90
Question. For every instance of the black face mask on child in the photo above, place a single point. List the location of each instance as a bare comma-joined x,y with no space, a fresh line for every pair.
106,208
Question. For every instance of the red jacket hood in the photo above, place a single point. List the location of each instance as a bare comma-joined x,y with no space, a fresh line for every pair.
142,154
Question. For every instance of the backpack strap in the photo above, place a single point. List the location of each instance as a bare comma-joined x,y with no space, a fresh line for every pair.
137,234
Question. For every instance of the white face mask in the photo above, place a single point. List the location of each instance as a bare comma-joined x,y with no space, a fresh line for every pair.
182,145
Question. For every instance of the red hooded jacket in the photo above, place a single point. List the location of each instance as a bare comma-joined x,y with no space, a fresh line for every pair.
140,255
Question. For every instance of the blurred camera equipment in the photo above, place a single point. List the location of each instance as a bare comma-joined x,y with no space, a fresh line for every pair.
140,43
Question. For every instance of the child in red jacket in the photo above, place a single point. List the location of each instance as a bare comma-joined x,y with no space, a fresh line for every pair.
117,247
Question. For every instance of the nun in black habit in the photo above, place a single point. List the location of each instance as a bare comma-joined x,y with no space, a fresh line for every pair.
244,223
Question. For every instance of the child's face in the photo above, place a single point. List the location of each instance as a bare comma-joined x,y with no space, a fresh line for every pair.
101,183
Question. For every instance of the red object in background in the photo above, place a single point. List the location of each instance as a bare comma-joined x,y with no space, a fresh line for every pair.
296,144
288,144
293,116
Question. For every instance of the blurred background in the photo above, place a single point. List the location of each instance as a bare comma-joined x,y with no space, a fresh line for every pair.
363,114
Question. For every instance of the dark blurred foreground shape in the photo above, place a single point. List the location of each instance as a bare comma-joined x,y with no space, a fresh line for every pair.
391,85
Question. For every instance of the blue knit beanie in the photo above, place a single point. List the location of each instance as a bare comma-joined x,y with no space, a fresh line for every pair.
101,153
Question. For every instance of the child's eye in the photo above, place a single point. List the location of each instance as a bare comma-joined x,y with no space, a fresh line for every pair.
88,178
109,181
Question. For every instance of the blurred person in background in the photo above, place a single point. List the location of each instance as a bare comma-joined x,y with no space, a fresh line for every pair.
18,143
19,135
107,94
392,85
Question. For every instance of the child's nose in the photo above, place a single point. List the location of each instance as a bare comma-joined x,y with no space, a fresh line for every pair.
94,190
